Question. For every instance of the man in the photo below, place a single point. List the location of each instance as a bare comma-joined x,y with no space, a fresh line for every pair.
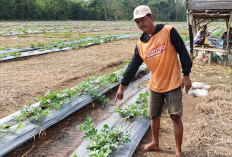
158,47
200,36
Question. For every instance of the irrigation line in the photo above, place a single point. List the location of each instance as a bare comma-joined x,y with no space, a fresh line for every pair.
29,129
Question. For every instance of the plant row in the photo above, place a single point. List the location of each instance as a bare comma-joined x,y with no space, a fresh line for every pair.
139,108
219,32
39,45
54,100
105,141
61,45
43,31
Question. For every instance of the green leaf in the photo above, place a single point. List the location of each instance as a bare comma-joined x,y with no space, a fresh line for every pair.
74,155
19,126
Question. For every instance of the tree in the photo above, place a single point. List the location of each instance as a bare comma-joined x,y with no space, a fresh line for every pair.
7,10
180,11
89,9
160,9
76,11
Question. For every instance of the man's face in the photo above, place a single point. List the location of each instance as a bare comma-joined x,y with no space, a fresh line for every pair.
145,23
203,29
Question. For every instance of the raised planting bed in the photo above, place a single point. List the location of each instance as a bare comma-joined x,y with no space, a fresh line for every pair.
118,135
19,127
61,46
22,31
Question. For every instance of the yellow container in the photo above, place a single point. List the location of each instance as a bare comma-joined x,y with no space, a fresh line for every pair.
206,41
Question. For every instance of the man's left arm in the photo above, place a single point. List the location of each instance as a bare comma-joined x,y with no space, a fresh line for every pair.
185,60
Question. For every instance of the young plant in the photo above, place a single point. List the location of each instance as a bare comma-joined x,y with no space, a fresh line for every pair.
35,114
19,126
134,110
31,45
4,127
103,99
106,140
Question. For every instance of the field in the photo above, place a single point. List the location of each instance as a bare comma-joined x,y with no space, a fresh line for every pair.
207,121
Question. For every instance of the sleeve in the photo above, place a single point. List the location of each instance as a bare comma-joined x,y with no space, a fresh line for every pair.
132,68
179,45
197,35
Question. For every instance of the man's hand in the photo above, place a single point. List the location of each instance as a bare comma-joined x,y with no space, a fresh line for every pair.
119,94
186,82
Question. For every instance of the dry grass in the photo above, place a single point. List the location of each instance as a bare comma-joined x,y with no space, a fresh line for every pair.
211,132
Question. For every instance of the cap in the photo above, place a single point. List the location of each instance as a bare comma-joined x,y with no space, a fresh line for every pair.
141,11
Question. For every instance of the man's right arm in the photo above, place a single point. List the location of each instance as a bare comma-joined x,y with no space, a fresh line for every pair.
132,68
129,74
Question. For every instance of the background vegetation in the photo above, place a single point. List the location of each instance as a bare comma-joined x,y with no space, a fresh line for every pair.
164,10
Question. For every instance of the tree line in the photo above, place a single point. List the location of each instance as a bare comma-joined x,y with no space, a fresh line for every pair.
163,10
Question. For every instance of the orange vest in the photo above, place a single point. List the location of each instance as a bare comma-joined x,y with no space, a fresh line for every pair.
160,56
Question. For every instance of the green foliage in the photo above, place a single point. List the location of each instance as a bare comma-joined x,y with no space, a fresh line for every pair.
35,114
5,48
169,10
14,53
21,35
31,45
109,79
105,140
54,100
219,32
103,99
4,127
134,110
61,45
91,86
68,34
89,128
185,38
127,61
19,126
74,155
3,139
40,44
